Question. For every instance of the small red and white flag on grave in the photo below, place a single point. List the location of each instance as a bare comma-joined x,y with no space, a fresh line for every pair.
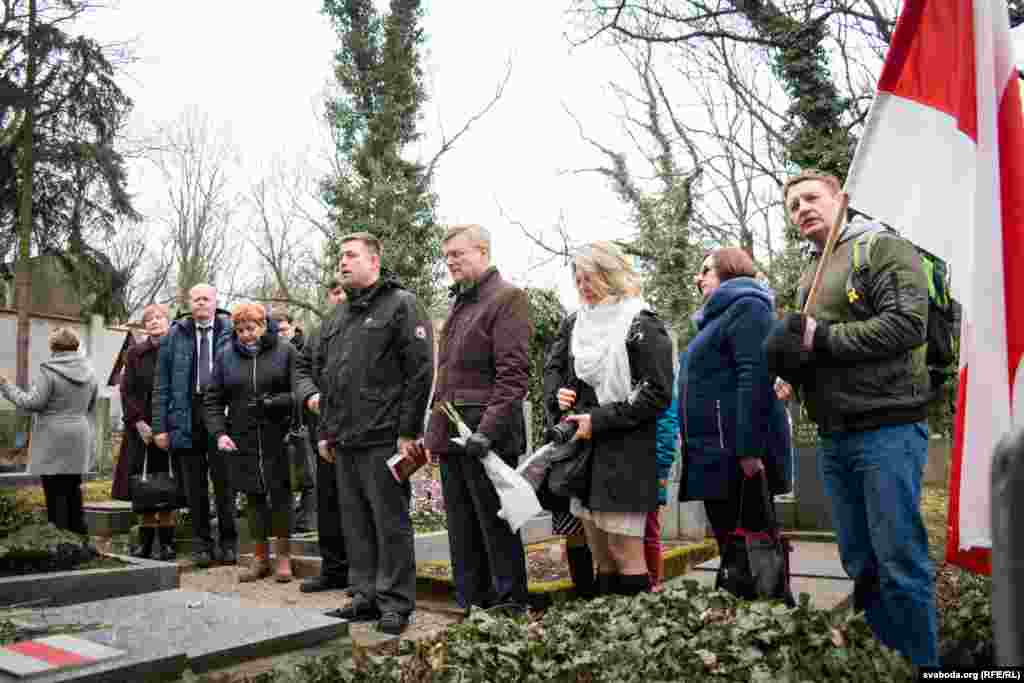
53,653
942,160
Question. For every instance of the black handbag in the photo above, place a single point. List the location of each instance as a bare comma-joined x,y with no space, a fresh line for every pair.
301,459
156,491
245,471
569,475
755,564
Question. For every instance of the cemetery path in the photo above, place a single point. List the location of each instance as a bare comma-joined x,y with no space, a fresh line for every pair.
431,616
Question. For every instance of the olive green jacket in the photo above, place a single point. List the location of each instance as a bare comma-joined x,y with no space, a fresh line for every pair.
873,372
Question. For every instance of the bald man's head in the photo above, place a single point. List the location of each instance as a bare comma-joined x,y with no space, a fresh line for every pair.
203,301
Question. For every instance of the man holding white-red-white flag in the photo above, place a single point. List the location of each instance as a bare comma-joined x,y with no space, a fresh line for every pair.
857,356
942,161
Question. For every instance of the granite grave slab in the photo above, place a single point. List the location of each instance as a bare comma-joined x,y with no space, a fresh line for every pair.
55,589
171,631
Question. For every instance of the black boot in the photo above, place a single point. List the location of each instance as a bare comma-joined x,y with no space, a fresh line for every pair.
607,584
581,569
145,547
632,584
165,544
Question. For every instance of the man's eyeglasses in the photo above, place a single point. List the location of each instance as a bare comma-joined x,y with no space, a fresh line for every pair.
457,254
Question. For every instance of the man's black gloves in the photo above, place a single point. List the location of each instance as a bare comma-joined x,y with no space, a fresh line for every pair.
790,346
478,445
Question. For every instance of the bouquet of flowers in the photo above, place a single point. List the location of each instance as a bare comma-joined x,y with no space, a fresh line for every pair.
518,501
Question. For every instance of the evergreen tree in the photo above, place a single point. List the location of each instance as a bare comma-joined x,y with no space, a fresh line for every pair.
375,117
79,179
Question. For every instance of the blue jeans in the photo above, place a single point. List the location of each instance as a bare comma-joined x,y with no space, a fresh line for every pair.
873,479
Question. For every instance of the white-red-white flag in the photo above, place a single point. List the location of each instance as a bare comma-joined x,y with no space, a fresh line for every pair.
942,160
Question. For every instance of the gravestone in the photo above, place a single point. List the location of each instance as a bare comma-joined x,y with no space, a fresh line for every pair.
813,508
171,631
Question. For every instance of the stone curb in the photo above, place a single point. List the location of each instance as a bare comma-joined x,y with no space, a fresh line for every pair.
57,589
677,562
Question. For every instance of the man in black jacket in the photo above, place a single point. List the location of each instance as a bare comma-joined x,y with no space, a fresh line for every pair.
330,538
378,364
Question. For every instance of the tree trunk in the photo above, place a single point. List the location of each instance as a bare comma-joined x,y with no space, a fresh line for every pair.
23,276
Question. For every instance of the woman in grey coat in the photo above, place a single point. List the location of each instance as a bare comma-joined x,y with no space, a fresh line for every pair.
63,400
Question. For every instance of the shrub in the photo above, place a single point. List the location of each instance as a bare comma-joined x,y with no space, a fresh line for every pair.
12,515
32,498
683,633
43,547
427,521
966,639
546,315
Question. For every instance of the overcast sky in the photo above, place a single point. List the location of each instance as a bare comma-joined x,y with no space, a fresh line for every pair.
260,68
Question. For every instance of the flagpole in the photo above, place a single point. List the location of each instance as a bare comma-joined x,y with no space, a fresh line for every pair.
844,201
830,246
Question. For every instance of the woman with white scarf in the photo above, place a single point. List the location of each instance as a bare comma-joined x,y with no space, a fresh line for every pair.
621,355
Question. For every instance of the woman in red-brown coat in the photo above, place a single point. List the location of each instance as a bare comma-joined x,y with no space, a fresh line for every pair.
156,533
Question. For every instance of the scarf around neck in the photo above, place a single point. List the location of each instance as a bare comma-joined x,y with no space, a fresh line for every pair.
599,347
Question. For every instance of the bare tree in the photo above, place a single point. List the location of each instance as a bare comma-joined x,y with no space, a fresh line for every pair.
288,236
709,167
196,163
146,265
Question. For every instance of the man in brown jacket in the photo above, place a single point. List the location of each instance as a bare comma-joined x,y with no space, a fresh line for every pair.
483,369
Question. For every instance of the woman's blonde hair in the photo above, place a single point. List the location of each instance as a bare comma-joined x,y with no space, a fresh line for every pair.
63,339
612,267
248,313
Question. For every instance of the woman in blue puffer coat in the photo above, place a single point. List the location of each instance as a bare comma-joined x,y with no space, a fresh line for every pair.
734,426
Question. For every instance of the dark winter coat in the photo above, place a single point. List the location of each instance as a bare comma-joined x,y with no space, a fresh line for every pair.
136,389
483,366
240,375
373,364
175,384
624,477
728,408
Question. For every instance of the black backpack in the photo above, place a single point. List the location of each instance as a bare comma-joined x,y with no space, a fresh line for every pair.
941,317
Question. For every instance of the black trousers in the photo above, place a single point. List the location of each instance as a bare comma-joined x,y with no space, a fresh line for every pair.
378,529
488,559
200,465
63,494
270,512
331,537
303,465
